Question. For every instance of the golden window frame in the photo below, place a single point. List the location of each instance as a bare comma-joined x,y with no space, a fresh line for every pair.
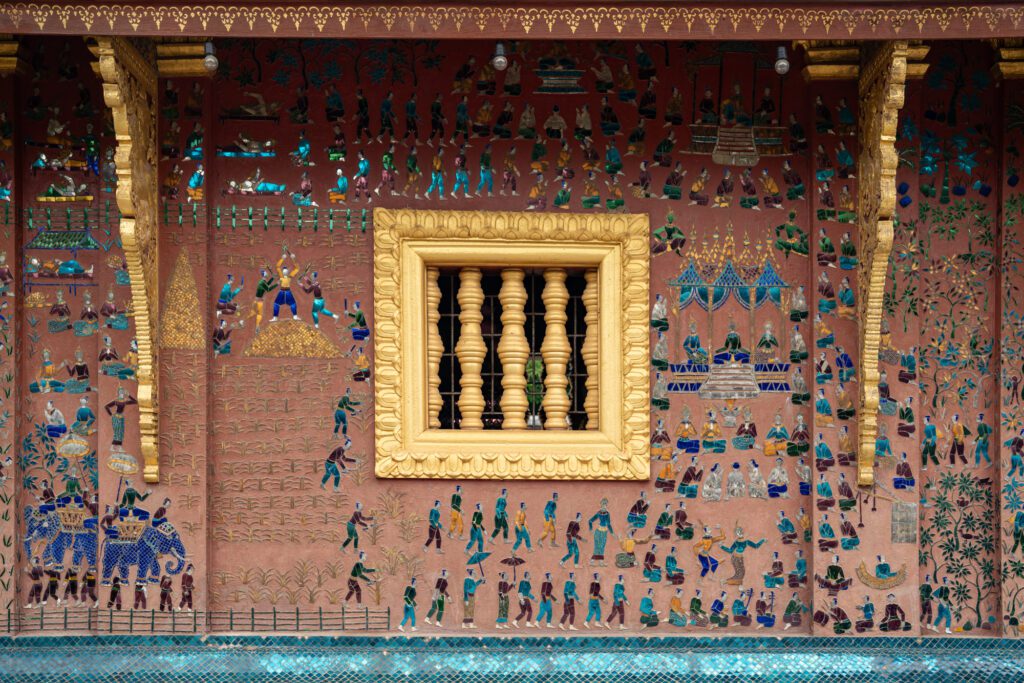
406,241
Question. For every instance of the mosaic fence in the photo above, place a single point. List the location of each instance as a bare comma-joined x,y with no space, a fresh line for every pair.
357,660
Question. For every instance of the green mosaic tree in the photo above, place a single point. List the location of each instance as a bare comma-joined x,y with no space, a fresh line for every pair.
960,542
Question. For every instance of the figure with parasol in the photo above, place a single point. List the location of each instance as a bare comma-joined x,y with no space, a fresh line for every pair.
469,588
504,589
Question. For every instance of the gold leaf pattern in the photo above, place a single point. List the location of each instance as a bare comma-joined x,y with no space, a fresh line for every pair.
291,339
181,324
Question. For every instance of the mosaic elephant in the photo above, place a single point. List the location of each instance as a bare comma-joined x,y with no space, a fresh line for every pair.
81,543
40,525
144,554
45,524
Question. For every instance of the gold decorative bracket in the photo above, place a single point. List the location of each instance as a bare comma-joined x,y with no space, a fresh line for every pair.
10,56
840,60
829,60
883,74
128,71
1009,58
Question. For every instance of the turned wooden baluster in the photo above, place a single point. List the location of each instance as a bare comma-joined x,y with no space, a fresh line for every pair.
589,349
555,349
471,349
513,349
435,348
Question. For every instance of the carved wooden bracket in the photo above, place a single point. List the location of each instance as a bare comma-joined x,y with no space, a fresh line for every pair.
10,56
841,60
128,70
883,73
1010,58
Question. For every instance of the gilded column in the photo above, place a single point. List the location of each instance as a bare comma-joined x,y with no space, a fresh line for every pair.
555,349
128,70
513,349
435,348
471,349
882,77
589,350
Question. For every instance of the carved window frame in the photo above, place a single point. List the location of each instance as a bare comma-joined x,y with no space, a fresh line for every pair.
407,241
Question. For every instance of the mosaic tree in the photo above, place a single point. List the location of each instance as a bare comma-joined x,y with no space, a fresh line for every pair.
960,542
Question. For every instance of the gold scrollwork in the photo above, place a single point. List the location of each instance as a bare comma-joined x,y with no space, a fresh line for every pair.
882,78
128,70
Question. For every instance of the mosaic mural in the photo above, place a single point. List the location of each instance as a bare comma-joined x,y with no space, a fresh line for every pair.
268,515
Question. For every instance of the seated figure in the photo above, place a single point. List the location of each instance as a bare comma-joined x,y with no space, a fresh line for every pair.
732,351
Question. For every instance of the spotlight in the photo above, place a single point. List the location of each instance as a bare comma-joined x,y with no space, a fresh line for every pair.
499,61
781,61
210,61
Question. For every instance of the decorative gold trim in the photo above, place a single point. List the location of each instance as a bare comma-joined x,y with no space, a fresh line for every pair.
881,91
406,242
129,89
513,20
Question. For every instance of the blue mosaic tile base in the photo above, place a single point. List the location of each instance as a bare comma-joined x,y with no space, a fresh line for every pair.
219,659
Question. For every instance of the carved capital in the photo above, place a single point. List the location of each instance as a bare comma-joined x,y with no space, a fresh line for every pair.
1009,58
883,74
841,60
128,71
10,56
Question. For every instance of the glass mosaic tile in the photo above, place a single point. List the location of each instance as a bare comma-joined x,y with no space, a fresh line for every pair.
217,659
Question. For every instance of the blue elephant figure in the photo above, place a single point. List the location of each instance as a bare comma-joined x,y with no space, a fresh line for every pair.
155,542
40,526
143,553
82,544
46,526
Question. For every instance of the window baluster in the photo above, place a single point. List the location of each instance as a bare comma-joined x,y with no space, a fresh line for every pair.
513,349
555,349
435,348
470,348
589,350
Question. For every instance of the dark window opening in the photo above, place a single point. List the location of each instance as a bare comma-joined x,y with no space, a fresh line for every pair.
491,328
